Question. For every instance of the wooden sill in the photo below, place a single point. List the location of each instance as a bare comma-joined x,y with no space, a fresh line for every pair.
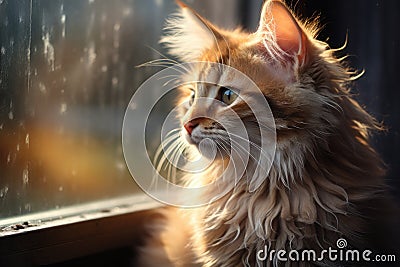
65,234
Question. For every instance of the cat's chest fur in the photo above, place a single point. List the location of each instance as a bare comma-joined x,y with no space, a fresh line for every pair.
237,226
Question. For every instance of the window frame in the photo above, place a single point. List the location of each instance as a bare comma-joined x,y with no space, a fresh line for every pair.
73,232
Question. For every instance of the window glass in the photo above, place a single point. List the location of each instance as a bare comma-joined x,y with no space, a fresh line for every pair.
67,72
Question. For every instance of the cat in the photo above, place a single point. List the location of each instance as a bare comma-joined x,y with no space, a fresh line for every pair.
326,181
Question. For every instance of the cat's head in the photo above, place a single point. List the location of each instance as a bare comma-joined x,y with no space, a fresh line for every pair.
303,83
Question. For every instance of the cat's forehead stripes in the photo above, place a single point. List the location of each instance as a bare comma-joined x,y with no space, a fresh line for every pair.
209,80
209,73
206,90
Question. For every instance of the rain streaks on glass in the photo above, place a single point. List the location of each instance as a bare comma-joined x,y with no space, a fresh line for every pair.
67,72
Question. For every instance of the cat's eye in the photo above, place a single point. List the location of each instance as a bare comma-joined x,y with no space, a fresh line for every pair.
227,96
192,96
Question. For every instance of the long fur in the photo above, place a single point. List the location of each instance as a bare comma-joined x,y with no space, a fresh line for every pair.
325,178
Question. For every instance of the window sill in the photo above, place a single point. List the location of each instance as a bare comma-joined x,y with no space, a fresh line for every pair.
73,232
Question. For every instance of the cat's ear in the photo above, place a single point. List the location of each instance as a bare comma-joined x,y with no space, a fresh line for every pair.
280,33
188,34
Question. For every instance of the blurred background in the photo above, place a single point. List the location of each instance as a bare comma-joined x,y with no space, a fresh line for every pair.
67,72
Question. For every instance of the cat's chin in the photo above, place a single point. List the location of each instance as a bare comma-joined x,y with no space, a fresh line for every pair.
207,149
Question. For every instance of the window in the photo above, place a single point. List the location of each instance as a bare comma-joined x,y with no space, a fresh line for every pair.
67,72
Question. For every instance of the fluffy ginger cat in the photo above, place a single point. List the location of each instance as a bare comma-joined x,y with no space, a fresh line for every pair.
325,182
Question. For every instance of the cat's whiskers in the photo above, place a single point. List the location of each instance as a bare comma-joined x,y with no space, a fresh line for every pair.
258,161
236,145
229,152
180,147
168,141
173,148
167,61
160,62
167,153
163,63
174,78
163,55
170,150
256,146
170,136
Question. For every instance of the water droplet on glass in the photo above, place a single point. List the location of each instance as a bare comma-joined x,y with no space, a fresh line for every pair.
28,207
120,166
63,108
48,51
63,18
91,56
27,140
117,27
25,176
11,115
3,50
3,192
42,88
104,68
114,81
127,11
60,188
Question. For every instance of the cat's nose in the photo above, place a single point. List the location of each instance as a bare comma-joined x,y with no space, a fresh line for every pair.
189,126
